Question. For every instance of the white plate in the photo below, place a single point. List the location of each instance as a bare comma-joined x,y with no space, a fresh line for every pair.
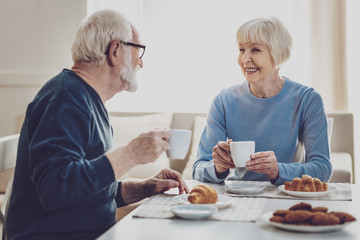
222,202
237,187
194,211
308,194
301,228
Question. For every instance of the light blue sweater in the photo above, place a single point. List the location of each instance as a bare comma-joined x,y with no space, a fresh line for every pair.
292,124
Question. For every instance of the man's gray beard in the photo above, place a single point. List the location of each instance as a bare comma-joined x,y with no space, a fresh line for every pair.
132,83
128,74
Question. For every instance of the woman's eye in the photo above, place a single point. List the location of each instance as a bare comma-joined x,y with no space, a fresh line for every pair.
256,50
241,50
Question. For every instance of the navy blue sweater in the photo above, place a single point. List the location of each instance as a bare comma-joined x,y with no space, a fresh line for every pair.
64,185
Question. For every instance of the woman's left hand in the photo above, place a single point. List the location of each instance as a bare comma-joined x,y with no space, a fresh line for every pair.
264,162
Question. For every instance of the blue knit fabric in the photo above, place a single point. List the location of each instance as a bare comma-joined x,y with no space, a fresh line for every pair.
64,185
292,123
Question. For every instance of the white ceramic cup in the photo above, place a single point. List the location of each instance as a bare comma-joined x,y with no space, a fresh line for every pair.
241,151
179,143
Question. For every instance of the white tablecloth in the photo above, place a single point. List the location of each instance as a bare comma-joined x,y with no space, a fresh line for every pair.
342,192
241,209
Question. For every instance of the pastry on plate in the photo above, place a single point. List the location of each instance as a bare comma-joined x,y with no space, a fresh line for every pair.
304,214
203,194
306,184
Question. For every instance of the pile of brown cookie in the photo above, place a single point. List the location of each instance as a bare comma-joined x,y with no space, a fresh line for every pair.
304,214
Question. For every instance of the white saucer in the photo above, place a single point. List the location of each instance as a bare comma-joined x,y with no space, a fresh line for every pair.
194,211
222,202
239,188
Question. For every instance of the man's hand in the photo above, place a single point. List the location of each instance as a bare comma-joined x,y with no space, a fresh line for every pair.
163,181
145,148
149,146
133,191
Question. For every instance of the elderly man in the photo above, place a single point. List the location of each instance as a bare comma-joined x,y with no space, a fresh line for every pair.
65,184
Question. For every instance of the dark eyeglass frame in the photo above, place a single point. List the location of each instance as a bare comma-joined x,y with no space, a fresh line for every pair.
132,45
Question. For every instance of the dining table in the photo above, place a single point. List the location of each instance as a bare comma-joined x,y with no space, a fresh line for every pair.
246,217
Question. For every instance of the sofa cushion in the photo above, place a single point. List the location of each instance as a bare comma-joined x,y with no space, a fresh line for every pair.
342,167
127,128
198,128
4,179
341,161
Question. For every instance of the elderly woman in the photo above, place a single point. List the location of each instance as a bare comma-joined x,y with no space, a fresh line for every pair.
286,120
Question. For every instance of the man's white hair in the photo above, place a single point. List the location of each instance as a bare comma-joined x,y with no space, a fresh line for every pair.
95,34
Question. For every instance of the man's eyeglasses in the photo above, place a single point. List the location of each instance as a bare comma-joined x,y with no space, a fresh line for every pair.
141,48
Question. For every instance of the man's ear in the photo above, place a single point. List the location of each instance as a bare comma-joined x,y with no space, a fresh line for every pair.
115,53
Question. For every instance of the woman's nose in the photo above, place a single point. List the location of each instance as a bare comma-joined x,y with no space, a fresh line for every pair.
246,57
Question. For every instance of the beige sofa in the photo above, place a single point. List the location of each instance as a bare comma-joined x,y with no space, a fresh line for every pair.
342,139
129,125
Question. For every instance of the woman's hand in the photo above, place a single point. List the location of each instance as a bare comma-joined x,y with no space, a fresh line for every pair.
264,162
221,157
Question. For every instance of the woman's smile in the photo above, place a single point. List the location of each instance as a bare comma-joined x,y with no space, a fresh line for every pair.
251,70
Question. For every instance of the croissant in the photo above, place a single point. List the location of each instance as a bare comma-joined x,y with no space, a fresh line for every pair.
306,184
202,194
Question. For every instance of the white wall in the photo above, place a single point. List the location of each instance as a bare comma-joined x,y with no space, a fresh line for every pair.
191,52
353,53
36,36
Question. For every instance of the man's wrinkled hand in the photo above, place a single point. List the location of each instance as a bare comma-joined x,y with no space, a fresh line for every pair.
164,181
147,147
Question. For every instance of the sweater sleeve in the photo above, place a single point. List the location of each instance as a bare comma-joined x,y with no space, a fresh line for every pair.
215,131
118,198
313,131
63,171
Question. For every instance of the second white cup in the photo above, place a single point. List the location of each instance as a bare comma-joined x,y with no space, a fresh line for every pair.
241,151
179,143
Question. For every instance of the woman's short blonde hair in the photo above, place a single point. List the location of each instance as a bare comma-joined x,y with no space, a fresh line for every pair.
270,32
95,34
